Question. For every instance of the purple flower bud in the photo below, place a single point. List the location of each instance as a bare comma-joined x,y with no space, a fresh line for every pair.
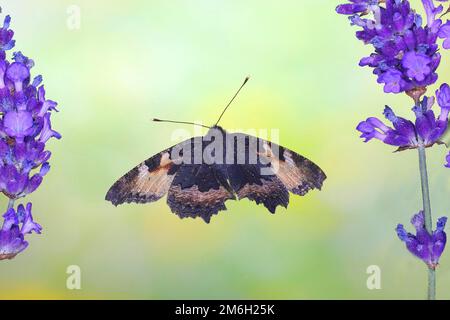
10,219
44,169
37,81
444,33
431,11
351,8
425,246
404,133
6,35
443,96
47,105
26,218
33,183
47,131
20,58
447,159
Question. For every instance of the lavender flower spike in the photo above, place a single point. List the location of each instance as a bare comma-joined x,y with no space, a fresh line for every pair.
425,246
25,129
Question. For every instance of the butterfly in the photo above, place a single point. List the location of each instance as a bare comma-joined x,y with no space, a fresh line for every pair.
200,174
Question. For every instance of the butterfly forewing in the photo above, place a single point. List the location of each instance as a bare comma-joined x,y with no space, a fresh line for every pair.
147,182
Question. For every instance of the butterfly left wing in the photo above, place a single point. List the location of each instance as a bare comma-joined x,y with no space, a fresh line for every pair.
147,182
150,180
193,190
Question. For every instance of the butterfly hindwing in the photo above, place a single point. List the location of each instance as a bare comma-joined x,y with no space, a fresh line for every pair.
199,190
247,181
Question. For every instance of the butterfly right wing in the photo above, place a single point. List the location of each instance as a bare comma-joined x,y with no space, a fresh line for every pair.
274,172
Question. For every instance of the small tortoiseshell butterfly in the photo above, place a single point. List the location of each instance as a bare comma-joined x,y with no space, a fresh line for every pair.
200,174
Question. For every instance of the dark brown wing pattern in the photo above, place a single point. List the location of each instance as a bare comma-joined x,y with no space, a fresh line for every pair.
298,174
201,190
277,172
148,182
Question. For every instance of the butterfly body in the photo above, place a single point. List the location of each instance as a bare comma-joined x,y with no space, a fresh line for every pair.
200,174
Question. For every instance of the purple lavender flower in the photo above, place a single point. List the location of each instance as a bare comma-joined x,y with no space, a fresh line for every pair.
393,81
425,131
6,35
447,159
357,6
15,226
25,129
425,246
405,57
444,33
417,65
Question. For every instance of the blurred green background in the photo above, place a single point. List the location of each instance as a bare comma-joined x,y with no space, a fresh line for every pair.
134,60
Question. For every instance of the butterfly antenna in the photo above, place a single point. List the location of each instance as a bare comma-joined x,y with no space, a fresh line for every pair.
232,99
182,122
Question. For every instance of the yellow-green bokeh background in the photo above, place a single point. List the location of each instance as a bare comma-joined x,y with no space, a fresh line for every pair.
137,59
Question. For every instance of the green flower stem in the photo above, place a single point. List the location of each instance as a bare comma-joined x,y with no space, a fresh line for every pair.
11,203
427,213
